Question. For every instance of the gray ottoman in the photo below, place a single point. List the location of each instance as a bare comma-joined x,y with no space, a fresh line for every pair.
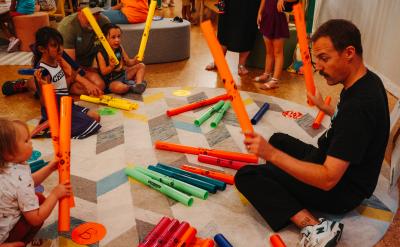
168,41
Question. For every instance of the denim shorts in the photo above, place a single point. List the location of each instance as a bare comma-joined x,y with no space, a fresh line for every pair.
116,16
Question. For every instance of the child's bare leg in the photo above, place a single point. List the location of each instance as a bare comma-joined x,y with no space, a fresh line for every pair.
6,28
269,58
94,115
119,87
136,72
278,55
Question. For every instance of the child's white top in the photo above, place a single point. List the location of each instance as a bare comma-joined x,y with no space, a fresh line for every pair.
57,78
17,195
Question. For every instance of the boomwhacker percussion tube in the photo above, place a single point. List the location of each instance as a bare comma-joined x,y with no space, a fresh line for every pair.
93,23
299,20
52,114
64,163
146,30
226,76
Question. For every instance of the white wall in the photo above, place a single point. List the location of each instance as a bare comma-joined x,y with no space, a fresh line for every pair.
379,23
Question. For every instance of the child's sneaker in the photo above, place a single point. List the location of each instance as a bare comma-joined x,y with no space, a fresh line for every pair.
13,45
14,87
138,88
325,234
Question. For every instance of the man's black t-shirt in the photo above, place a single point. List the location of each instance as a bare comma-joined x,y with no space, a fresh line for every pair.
359,133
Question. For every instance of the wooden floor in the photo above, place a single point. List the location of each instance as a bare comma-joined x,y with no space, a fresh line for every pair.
191,72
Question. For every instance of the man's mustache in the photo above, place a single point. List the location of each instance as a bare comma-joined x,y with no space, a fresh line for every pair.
323,74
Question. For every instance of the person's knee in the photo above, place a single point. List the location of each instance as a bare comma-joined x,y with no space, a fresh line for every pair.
277,139
94,115
141,66
96,79
244,174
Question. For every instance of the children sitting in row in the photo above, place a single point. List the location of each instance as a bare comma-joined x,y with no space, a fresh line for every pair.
22,211
48,50
128,75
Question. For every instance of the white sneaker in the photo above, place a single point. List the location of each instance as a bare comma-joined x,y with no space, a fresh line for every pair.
326,234
13,45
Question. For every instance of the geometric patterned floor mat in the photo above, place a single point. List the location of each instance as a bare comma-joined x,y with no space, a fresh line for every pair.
129,210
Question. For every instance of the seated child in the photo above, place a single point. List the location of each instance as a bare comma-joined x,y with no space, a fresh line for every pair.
48,50
17,7
128,75
22,211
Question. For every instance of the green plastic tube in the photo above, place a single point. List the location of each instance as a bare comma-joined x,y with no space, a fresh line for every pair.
211,188
220,114
208,113
165,189
220,185
174,183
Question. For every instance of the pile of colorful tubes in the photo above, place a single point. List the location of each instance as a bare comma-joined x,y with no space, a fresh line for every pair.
172,233
181,184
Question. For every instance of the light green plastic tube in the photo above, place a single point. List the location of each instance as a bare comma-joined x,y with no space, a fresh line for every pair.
208,113
220,114
174,183
165,189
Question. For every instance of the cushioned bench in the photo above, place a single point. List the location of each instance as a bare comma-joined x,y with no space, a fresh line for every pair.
168,41
26,27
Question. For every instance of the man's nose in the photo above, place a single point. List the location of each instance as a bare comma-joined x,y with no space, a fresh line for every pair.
318,66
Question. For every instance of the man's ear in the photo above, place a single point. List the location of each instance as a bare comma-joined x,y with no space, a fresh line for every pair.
350,52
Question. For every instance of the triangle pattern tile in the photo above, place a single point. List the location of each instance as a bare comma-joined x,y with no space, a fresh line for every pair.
109,139
217,135
161,128
306,122
127,239
230,118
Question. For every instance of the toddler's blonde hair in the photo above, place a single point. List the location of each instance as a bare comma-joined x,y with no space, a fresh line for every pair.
8,139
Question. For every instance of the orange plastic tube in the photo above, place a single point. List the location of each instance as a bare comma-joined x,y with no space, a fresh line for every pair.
229,179
198,242
211,152
187,237
227,79
276,241
64,163
303,44
321,114
208,243
176,147
196,105
232,155
52,115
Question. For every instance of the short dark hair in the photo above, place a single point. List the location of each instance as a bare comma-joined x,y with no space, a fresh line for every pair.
343,33
43,37
107,27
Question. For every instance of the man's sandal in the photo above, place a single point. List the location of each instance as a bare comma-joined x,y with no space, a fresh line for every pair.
263,77
271,84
